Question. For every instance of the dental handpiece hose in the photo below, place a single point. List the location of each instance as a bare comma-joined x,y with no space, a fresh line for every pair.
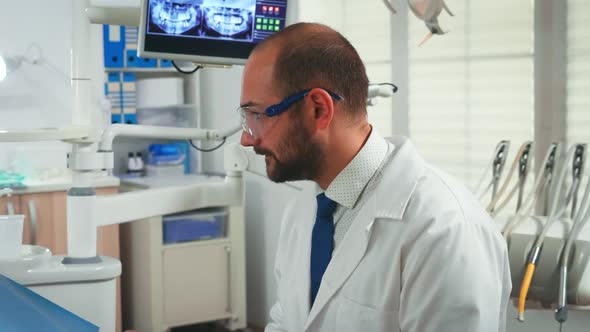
526,282
555,214
579,221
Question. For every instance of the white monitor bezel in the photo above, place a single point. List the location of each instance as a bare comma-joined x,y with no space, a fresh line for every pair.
142,52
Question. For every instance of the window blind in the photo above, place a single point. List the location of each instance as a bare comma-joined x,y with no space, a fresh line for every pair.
366,24
578,72
578,79
473,86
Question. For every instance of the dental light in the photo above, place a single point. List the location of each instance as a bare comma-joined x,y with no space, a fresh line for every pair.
427,11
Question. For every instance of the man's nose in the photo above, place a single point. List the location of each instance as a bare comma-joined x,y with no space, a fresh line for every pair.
248,140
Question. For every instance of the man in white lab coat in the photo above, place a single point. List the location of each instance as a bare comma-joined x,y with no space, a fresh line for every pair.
388,243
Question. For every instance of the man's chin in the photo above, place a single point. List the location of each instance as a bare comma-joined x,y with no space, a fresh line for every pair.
270,168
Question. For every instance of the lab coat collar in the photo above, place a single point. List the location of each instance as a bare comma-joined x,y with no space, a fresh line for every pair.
390,199
403,173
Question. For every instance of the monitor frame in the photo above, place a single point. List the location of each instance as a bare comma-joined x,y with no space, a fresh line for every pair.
197,59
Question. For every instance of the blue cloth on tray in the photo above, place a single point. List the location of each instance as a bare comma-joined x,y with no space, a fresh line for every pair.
23,310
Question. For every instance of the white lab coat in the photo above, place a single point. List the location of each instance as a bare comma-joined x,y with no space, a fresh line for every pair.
421,256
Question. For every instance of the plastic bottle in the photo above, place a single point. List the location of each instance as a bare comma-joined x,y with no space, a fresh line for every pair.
139,163
131,163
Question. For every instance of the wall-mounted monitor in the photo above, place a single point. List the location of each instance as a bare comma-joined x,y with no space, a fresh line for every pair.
207,31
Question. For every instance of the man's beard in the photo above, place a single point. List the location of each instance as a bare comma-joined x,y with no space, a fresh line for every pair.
302,156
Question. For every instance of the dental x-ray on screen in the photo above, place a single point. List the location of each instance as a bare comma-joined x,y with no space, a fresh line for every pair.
207,31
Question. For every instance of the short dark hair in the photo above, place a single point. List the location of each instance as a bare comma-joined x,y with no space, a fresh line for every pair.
314,55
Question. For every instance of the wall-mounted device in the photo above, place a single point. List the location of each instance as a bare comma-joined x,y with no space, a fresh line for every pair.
221,32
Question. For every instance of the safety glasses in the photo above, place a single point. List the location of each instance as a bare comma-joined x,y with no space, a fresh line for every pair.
255,123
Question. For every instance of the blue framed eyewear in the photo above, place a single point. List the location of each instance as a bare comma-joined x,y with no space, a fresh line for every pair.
284,105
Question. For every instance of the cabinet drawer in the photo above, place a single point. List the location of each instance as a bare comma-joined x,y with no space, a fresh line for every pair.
10,205
195,280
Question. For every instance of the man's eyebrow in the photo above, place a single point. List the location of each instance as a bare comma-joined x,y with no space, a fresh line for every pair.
250,103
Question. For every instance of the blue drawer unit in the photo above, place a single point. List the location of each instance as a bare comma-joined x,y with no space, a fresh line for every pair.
193,226
116,118
114,46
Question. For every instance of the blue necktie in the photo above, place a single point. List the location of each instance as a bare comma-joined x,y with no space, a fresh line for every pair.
322,242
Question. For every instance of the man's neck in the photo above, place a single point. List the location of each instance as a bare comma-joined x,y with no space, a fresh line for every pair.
341,153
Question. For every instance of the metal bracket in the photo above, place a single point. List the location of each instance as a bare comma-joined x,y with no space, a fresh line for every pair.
548,171
577,172
499,162
523,168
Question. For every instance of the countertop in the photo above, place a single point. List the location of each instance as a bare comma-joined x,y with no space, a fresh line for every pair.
63,184
169,181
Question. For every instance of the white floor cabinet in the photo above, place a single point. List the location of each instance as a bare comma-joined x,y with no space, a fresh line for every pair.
169,285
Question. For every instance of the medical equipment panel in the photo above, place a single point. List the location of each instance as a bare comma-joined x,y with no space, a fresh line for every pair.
207,31
195,225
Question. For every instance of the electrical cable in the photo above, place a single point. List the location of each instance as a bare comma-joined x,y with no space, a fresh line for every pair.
182,71
207,150
393,86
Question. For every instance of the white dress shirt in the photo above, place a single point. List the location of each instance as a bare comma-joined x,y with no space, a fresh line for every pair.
356,182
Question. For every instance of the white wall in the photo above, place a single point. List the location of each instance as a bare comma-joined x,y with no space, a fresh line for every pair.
35,96
39,96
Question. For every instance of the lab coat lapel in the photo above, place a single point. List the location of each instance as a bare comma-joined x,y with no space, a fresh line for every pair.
403,173
302,279
345,258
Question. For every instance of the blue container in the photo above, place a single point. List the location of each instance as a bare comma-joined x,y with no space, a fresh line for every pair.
116,118
166,154
193,226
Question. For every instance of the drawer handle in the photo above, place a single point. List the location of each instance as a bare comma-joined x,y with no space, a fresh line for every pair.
228,253
33,217
10,208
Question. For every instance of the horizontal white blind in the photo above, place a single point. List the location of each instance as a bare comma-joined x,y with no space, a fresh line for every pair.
366,24
578,77
473,86
578,71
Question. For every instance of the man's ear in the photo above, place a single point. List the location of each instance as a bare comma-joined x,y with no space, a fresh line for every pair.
323,106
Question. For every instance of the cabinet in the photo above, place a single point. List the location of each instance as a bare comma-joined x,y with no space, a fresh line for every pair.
10,205
169,285
199,282
45,225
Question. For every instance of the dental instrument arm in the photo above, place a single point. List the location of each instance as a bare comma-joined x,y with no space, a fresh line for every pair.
577,173
496,198
519,185
496,164
538,188
427,11
579,220
554,214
